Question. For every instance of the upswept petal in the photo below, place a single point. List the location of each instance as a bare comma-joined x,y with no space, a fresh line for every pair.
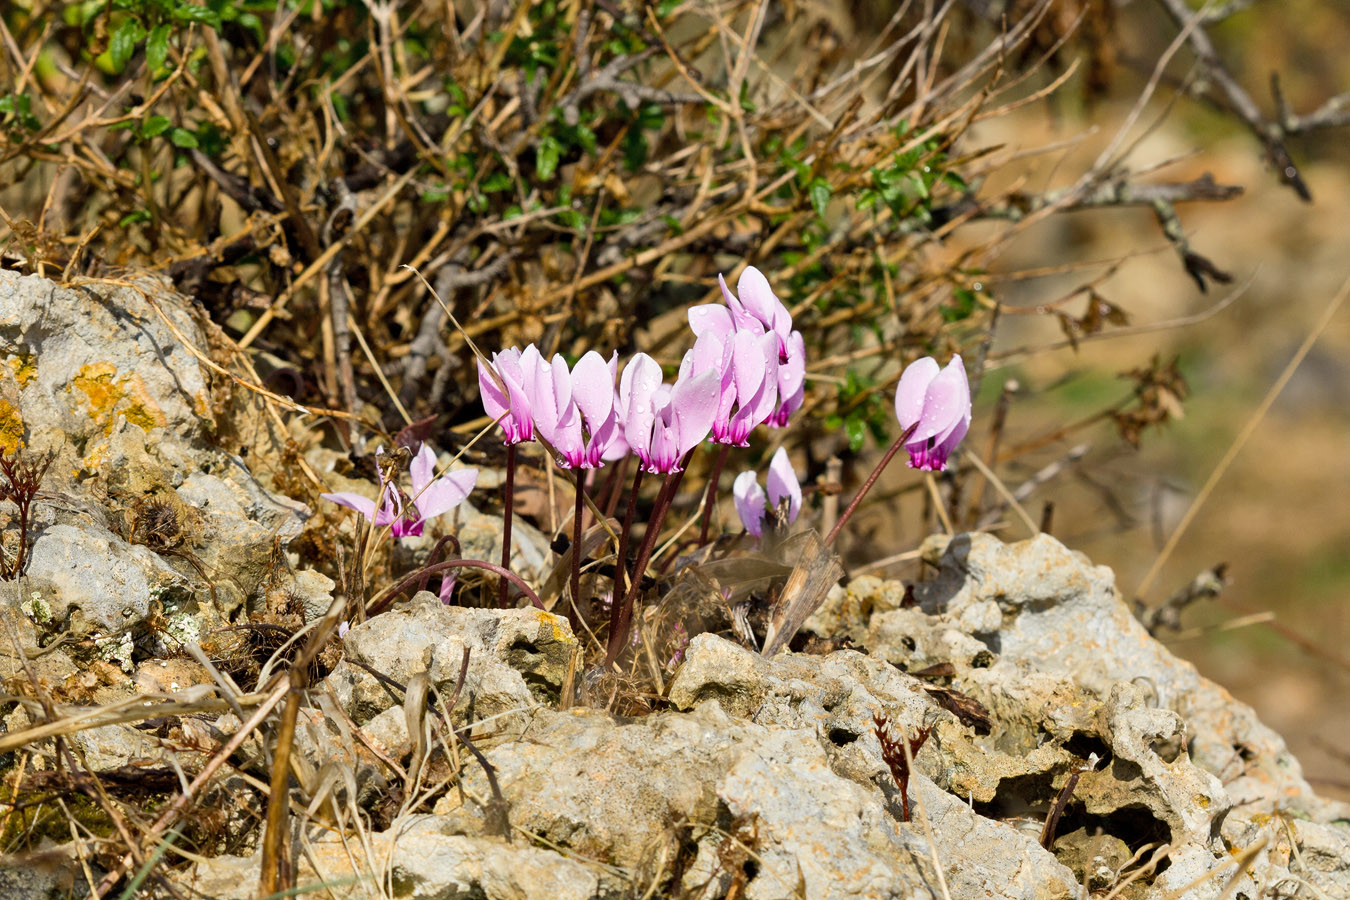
753,290
445,493
709,317
749,363
763,404
783,482
946,403
593,388
422,469
363,505
511,365
638,386
495,402
741,318
750,503
694,402
913,387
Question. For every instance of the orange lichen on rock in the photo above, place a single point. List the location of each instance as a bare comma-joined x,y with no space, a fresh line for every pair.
109,395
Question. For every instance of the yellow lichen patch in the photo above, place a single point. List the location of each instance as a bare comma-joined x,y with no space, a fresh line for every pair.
11,427
109,395
24,368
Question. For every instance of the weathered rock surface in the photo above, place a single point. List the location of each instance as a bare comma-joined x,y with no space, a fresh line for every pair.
517,658
142,505
758,778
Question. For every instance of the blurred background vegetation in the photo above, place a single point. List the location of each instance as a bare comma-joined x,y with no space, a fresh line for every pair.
1109,208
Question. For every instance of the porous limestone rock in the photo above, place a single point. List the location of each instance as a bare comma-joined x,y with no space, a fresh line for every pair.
518,658
420,861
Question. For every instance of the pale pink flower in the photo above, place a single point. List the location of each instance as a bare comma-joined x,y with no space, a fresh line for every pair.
662,423
751,501
936,403
431,498
575,411
511,408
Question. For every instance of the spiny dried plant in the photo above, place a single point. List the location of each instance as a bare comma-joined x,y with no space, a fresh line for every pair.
21,477
897,752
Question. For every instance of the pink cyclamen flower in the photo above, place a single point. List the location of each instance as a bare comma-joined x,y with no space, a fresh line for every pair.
757,310
511,408
431,498
575,411
662,423
937,403
750,499
747,368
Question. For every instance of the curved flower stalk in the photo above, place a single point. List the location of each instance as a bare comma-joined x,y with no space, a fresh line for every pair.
660,423
934,405
511,408
432,497
751,502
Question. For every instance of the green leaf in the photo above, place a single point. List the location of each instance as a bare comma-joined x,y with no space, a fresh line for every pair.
856,429
820,195
962,306
181,137
157,47
124,41
131,218
186,12
496,183
154,126
920,186
546,157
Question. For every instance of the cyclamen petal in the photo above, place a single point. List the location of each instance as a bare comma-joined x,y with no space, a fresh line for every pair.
791,381
363,505
694,403
445,493
783,482
913,386
422,468
750,502
710,318
762,303
637,392
741,318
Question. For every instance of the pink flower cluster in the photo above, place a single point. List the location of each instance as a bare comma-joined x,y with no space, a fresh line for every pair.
747,368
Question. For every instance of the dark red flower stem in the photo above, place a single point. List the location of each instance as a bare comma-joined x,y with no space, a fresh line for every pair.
621,563
578,516
714,477
385,598
867,485
621,615
608,495
508,507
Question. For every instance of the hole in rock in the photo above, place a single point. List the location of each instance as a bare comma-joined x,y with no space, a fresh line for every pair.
1083,745
841,736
